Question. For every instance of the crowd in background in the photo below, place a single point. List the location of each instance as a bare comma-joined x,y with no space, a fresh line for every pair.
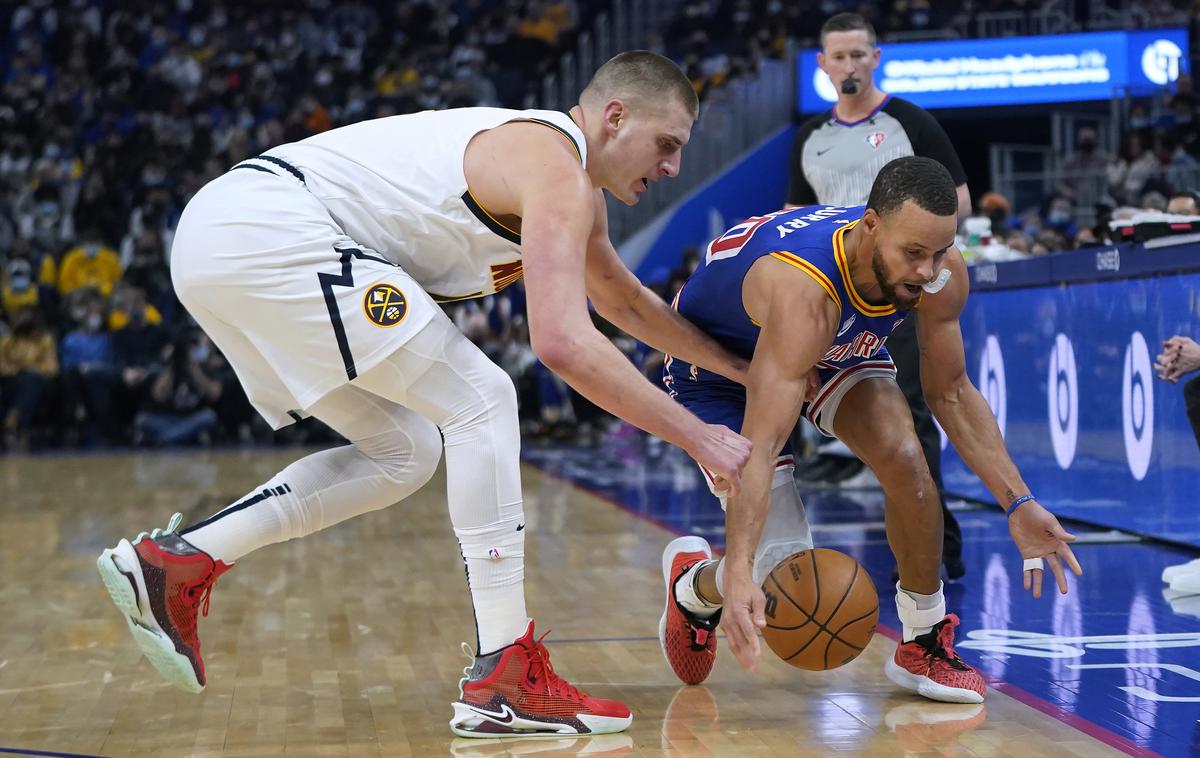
112,114
1155,169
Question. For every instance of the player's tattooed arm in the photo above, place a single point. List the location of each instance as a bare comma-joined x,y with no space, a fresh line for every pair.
956,403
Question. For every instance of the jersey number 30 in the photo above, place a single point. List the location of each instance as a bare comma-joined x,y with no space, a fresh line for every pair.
731,242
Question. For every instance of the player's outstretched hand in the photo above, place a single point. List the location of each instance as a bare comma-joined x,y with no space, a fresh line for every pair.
724,452
1039,535
742,617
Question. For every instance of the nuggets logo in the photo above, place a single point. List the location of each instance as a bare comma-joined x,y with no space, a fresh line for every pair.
385,305
875,139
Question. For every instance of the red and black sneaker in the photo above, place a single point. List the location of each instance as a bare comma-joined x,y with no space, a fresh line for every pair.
929,666
161,583
689,642
514,691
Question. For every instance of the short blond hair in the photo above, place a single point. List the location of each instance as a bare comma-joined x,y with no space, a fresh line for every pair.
643,76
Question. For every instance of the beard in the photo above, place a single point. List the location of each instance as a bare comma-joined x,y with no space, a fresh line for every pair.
850,86
893,295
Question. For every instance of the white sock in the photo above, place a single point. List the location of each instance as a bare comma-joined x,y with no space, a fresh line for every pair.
919,613
495,559
689,598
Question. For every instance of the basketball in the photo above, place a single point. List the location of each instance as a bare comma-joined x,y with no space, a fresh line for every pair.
821,609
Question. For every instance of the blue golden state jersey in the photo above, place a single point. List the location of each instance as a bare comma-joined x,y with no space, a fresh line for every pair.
809,238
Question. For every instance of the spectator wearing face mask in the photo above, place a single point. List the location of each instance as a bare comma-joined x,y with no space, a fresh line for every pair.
89,373
18,289
1060,217
89,264
1088,158
28,362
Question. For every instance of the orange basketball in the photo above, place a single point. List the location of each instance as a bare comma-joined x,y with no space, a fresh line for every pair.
821,609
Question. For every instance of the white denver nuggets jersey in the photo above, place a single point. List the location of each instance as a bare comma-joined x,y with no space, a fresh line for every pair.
397,185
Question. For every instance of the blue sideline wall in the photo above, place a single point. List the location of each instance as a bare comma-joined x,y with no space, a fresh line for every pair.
1063,348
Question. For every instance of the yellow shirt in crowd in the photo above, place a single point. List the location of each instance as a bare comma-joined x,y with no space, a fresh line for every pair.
101,271
36,353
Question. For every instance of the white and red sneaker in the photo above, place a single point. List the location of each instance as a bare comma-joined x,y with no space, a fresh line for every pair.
929,666
514,691
688,642
159,582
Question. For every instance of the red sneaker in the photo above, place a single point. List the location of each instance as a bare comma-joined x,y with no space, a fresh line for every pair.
688,642
929,666
515,691
159,582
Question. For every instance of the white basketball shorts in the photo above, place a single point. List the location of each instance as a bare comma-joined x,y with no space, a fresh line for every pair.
297,307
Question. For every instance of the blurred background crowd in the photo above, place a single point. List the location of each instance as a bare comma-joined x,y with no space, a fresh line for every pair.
112,114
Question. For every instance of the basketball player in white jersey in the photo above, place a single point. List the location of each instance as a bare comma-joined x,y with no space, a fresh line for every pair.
316,269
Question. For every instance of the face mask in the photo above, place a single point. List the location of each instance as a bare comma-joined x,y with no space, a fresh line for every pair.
1138,123
200,353
920,19
94,320
91,249
1059,217
850,86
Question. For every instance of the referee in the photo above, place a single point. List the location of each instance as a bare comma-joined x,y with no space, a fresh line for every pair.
834,162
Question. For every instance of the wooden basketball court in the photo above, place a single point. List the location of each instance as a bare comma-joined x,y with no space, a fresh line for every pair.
347,643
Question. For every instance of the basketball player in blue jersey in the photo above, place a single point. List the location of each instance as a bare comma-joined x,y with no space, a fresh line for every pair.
809,296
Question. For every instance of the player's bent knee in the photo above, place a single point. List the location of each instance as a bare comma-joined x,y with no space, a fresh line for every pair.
496,400
902,462
408,457
425,453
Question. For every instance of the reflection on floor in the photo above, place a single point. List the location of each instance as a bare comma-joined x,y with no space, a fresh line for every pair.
1117,658
345,643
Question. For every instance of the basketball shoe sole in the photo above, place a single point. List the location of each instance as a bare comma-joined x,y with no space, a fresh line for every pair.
926,687
121,571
